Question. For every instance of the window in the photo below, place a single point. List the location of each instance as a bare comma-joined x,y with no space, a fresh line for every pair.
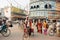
48,6
37,6
34,6
31,7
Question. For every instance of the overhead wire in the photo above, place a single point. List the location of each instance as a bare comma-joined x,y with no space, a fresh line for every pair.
19,4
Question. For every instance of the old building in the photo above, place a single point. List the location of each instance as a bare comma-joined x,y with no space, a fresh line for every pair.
41,8
55,15
13,13
58,9
17,13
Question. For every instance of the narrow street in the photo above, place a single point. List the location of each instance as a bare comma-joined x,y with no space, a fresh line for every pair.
17,34
43,14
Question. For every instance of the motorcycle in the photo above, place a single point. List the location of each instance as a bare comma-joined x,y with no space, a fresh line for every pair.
4,30
52,32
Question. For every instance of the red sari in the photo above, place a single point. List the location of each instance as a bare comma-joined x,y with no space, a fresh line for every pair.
39,25
32,30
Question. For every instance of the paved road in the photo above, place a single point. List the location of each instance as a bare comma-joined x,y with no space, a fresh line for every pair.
16,34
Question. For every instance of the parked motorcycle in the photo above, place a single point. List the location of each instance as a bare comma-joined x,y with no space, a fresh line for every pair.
5,31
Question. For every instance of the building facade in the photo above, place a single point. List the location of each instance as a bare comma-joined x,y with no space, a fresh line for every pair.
58,9
55,15
41,8
13,13
17,13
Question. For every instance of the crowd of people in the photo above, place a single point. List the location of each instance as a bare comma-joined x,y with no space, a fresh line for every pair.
42,27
